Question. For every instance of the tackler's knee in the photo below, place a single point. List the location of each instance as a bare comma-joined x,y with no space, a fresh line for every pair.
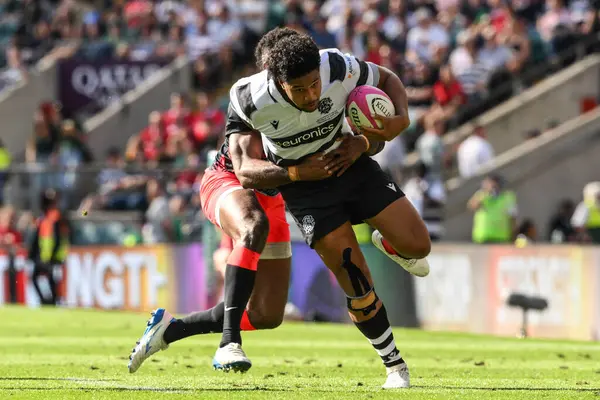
265,321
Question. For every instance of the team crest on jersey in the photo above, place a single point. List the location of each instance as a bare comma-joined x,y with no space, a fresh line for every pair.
325,105
308,224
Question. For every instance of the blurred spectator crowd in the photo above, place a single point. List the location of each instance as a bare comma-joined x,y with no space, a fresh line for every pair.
209,32
178,141
157,174
55,144
453,56
456,57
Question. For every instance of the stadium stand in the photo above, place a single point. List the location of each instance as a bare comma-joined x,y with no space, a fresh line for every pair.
542,171
32,30
456,58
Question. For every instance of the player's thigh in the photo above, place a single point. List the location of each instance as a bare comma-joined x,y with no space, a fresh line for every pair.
278,240
234,209
317,215
402,226
241,215
226,242
383,205
220,260
375,192
331,249
242,218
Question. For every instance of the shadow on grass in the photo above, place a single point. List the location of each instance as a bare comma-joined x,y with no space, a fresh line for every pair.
507,389
140,389
17,378
112,385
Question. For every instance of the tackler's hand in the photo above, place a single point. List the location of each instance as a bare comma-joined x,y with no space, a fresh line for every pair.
351,148
311,168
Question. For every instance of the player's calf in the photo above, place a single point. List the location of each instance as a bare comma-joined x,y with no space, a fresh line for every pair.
240,274
370,317
243,219
265,308
211,321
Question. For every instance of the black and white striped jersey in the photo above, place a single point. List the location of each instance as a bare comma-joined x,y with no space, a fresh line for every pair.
288,134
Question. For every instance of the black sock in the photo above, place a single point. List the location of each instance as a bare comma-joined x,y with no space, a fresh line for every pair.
239,283
379,333
198,323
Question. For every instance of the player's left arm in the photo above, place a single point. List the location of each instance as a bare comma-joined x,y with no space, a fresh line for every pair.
351,72
393,87
391,84
357,73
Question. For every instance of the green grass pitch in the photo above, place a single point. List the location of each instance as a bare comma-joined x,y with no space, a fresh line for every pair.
68,354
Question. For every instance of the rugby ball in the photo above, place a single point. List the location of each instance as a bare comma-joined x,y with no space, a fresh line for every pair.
363,102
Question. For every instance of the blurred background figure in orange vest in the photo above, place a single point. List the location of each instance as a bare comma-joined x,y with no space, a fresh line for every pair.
49,246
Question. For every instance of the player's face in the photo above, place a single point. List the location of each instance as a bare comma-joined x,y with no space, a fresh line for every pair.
305,91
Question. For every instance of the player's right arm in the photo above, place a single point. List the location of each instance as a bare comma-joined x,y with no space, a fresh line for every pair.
253,171
245,150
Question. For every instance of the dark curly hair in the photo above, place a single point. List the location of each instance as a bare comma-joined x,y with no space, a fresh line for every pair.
268,41
293,57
